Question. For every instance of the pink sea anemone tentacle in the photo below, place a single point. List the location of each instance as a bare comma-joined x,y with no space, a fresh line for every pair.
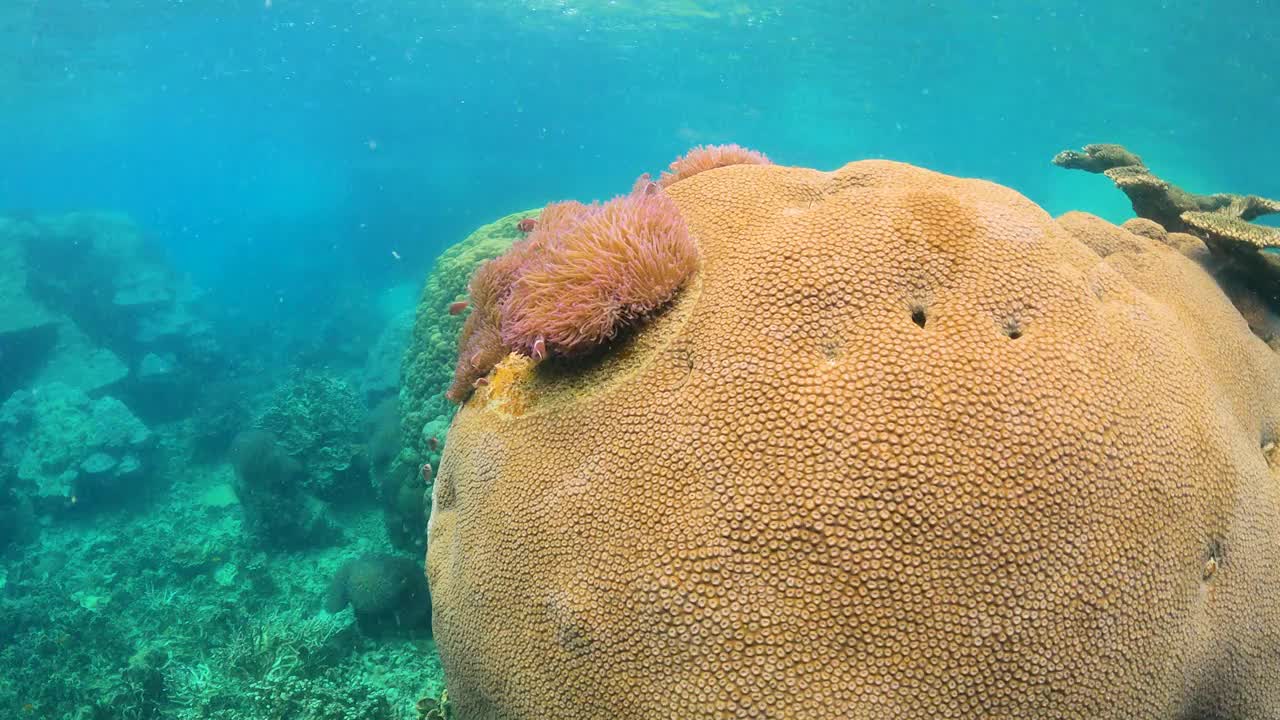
615,265
709,157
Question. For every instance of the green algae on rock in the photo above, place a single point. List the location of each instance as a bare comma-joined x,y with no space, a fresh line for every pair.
427,370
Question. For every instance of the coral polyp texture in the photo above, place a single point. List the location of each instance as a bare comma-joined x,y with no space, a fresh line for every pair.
709,157
583,275
906,446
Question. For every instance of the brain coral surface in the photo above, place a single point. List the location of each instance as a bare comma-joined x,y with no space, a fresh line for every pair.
906,447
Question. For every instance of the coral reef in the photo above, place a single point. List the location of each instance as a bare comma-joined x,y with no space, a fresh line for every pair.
269,486
69,449
318,419
170,614
907,447
387,593
150,567
1221,220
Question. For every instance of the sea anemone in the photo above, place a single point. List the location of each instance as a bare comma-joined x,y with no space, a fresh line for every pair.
709,157
604,269
584,273
480,344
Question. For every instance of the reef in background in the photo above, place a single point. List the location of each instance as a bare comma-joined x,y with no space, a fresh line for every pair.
150,566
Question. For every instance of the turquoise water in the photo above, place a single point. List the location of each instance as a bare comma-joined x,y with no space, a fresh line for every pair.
218,216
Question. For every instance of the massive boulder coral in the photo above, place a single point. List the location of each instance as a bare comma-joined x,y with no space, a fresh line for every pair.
905,447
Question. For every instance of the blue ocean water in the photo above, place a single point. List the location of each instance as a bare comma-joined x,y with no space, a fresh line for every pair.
301,164
305,140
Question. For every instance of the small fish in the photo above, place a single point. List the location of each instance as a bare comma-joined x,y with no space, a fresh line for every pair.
527,225
433,443
395,254
539,349
426,473
457,307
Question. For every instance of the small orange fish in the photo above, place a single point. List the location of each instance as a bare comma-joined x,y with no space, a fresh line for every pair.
457,307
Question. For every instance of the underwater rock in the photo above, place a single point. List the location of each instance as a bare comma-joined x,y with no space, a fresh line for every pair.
76,362
39,345
906,447
318,420
27,328
387,593
157,366
69,448
92,297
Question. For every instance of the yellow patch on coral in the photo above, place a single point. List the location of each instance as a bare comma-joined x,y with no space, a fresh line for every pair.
508,385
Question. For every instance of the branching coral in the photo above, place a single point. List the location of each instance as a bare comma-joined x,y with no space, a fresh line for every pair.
1222,220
